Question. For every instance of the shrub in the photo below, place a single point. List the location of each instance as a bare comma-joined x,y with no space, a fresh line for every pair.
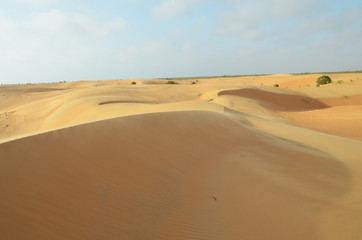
323,80
340,81
171,82
192,83
276,85
133,83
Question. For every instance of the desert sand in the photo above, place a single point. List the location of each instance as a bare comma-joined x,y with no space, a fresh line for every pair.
225,158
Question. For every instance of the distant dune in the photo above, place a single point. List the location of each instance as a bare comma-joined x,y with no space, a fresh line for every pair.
225,158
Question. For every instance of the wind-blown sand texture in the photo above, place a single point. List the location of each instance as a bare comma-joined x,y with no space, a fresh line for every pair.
226,158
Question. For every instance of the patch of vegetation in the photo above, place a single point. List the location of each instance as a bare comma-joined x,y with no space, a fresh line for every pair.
339,81
323,80
276,85
133,83
171,82
193,82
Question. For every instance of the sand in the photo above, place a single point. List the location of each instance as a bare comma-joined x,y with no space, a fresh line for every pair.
226,158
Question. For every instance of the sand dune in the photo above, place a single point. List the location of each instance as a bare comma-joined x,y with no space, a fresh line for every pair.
226,158
112,178
341,120
277,101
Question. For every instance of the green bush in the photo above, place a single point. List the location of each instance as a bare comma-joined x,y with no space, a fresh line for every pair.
133,83
192,83
171,82
323,80
276,85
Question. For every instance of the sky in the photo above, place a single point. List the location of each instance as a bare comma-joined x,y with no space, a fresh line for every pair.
67,40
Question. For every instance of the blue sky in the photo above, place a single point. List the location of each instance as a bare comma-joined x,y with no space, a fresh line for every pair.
64,40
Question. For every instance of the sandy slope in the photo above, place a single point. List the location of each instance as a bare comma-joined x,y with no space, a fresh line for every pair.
227,158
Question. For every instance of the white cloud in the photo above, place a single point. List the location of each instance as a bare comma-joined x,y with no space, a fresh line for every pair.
242,20
74,24
60,24
38,2
247,19
284,9
55,45
292,36
169,9
173,8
